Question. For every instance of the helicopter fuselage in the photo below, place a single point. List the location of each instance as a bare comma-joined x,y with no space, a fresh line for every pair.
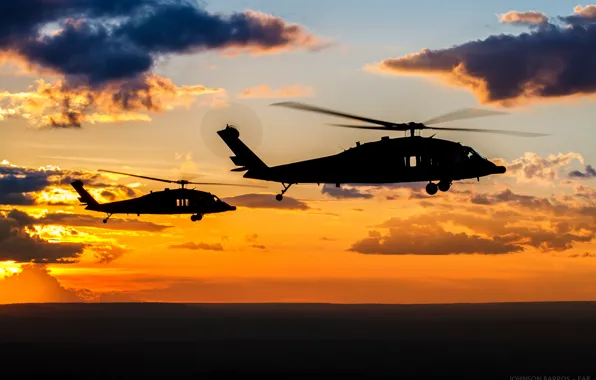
407,159
168,201
397,160
165,202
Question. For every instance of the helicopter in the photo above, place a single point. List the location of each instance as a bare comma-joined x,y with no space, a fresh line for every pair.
413,158
169,202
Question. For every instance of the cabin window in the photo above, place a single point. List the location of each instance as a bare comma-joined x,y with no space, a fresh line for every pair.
413,161
182,202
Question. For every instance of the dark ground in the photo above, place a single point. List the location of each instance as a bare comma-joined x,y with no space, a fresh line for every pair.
488,341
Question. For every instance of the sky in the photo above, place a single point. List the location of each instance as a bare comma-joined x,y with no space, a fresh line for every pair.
141,86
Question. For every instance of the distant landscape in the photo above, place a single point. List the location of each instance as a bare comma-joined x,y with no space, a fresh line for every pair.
411,341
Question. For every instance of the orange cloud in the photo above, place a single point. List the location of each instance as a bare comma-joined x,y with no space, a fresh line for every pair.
589,11
34,284
529,17
532,167
265,91
60,105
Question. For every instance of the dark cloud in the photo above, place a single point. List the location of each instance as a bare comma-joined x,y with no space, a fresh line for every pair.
344,192
22,186
589,172
103,40
106,253
198,246
266,201
75,220
18,244
583,255
554,60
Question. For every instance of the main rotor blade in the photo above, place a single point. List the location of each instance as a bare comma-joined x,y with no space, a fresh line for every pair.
225,184
306,107
373,127
138,176
465,113
498,131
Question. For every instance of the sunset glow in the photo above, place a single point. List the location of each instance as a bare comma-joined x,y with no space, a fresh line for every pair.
138,107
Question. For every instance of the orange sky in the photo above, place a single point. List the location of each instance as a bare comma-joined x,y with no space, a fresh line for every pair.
479,242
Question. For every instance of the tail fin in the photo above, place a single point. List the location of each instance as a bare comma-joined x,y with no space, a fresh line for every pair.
244,157
85,197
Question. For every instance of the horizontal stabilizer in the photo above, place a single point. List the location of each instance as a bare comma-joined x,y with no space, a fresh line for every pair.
239,169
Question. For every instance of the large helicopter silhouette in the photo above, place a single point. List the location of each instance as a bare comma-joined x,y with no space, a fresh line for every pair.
390,160
170,202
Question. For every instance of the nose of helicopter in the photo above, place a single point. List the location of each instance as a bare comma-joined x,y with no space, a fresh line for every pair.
500,169
229,207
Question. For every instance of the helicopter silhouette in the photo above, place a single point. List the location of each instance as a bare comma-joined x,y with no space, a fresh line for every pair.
390,160
169,202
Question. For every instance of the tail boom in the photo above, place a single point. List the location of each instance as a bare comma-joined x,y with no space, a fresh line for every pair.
84,195
245,158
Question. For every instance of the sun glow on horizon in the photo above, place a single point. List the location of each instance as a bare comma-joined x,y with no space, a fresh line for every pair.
9,268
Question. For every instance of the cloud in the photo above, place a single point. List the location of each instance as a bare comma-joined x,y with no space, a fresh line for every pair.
198,246
427,237
97,41
550,62
50,185
34,284
21,244
266,201
76,220
60,105
589,11
53,238
532,167
264,91
589,172
523,18
583,255
502,221
106,52
344,192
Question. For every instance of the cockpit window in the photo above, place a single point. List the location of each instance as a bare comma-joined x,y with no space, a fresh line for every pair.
472,153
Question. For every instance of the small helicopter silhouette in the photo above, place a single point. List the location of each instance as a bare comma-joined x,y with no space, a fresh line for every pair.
168,202
390,160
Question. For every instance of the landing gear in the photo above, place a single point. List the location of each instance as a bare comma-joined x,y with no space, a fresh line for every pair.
106,219
279,197
444,186
196,218
431,188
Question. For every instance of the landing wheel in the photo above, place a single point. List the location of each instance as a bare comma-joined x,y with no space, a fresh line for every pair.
196,218
444,186
106,219
279,197
431,188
